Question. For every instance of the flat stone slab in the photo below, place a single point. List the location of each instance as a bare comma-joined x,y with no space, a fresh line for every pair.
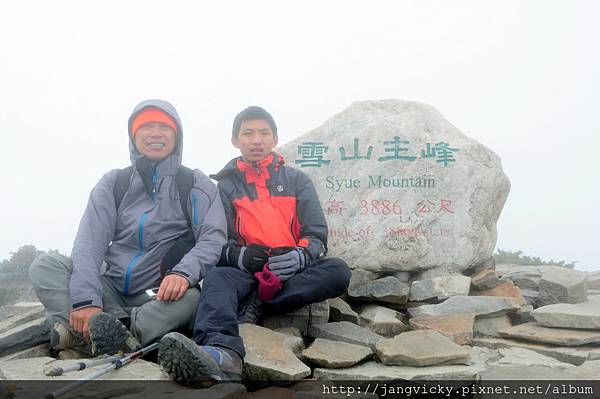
421,348
387,289
439,288
489,326
269,357
556,336
339,310
478,305
506,289
524,277
336,354
25,317
369,371
560,285
527,357
519,372
345,331
573,355
17,339
381,320
585,315
36,351
33,369
457,327
314,313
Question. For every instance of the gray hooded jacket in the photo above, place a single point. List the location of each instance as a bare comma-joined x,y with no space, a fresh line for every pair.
133,239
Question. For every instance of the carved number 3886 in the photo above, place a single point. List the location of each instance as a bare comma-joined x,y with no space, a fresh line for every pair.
376,207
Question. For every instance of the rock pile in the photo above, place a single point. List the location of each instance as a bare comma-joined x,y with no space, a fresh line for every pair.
463,337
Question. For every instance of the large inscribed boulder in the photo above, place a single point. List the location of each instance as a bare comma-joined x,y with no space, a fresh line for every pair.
402,189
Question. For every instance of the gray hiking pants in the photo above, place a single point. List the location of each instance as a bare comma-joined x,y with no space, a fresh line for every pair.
150,319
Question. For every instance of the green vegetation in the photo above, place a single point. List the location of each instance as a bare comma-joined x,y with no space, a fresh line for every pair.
517,257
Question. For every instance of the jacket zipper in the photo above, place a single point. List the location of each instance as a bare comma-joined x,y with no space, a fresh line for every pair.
292,230
140,237
195,210
239,229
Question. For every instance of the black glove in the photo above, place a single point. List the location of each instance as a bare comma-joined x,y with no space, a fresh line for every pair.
251,259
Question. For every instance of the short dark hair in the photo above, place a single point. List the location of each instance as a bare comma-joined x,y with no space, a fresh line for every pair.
252,113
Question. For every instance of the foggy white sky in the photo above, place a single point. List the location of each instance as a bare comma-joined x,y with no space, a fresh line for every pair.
521,77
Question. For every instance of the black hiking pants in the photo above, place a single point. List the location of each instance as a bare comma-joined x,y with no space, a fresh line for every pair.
224,287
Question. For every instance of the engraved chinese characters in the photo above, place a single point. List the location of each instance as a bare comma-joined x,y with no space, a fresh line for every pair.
402,189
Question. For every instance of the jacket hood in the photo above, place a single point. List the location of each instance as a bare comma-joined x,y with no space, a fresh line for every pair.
170,164
232,167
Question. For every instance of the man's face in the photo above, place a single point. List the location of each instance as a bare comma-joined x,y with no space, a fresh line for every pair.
155,140
255,140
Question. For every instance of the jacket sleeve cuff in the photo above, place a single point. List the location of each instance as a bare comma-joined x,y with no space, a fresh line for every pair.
85,303
192,281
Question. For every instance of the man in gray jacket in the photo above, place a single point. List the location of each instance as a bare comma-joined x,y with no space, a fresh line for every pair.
100,294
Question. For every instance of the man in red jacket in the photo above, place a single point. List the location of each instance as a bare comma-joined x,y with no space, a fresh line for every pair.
277,241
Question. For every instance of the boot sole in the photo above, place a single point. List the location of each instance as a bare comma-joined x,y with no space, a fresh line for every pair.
107,334
181,359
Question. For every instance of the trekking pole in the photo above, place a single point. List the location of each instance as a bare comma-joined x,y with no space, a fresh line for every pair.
55,371
116,364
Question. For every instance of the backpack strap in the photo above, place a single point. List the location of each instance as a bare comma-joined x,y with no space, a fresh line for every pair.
122,184
185,181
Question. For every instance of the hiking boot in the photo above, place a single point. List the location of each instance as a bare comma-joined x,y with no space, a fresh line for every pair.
251,309
109,336
197,366
63,337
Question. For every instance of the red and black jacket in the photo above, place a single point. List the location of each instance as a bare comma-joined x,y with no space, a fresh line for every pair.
271,205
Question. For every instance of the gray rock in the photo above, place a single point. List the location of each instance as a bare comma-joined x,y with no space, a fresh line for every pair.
370,371
291,331
593,280
524,277
573,355
530,296
584,315
442,202
485,279
560,285
589,370
33,369
339,310
536,373
24,336
361,275
439,288
421,348
489,326
402,276
36,351
556,336
269,357
479,306
346,332
527,357
25,317
488,264
300,318
457,327
381,320
335,354
387,289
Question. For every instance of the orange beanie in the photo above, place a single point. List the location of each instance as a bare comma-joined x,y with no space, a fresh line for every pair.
149,115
